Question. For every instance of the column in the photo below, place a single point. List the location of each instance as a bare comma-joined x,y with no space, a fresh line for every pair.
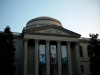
36,57
78,59
25,57
47,58
69,59
59,58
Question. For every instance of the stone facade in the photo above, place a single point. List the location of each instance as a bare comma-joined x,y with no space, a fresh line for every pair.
48,31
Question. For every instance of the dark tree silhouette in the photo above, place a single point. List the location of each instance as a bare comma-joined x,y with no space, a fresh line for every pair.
7,52
94,53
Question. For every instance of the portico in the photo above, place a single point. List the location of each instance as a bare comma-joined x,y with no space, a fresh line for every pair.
47,51
43,39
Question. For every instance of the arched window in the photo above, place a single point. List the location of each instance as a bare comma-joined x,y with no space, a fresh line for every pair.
81,51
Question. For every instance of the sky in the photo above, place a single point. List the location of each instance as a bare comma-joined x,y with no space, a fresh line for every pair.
80,16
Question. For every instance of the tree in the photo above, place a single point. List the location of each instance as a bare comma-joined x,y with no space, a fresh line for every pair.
7,52
94,53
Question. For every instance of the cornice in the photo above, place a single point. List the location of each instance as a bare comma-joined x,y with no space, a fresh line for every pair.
45,34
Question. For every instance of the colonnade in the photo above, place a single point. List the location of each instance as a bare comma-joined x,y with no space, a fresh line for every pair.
48,58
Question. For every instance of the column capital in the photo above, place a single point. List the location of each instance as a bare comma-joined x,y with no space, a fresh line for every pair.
47,40
68,42
77,43
59,41
26,39
36,40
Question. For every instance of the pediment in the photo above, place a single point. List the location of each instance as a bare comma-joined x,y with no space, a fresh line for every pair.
52,30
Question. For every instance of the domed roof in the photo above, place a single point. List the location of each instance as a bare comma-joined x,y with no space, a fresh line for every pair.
44,20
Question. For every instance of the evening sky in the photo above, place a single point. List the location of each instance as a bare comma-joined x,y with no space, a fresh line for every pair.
80,16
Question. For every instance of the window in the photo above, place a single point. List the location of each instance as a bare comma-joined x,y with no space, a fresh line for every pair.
82,69
53,54
88,47
81,52
42,54
64,54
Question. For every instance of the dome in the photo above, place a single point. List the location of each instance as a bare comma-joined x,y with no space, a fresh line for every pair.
43,21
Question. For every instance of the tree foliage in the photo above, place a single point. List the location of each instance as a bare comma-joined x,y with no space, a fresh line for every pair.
7,52
94,53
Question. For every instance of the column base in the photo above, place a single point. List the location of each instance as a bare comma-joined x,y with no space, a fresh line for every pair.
75,74
78,74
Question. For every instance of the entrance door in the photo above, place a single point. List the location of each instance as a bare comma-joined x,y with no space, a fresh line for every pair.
40,72
52,72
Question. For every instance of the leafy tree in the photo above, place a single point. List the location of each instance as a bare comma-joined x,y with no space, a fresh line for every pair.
7,52
94,53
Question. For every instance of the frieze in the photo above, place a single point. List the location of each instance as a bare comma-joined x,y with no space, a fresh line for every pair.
51,30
